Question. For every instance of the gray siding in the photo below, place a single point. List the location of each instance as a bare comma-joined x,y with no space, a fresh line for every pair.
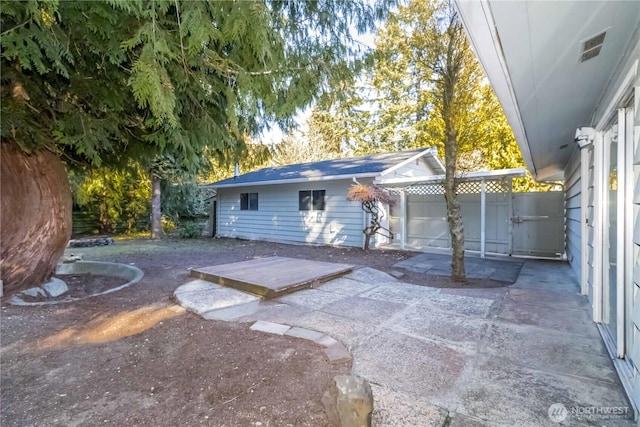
573,214
279,220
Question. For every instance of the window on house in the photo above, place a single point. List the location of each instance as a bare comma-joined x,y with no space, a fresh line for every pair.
248,201
311,200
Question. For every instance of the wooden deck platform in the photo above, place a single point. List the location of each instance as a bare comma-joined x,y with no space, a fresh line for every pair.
273,276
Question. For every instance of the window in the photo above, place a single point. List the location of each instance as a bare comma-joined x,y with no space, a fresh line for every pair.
311,200
248,201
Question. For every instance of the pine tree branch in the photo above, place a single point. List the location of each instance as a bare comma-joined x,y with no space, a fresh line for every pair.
184,57
28,21
280,70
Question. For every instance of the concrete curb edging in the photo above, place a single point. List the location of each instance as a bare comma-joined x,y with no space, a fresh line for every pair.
122,271
335,352
349,400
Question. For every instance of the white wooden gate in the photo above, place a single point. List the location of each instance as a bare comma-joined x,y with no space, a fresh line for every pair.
538,224
515,223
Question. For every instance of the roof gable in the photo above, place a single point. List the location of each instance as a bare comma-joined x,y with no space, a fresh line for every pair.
364,166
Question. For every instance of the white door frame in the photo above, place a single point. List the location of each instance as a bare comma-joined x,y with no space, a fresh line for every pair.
598,219
584,217
617,110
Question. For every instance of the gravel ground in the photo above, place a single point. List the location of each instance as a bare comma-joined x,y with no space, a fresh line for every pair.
134,358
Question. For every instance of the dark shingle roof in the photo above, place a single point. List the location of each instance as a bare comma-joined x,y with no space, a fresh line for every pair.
372,164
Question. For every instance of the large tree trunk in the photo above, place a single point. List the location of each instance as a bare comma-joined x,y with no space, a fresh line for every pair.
156,212
36,216
454,214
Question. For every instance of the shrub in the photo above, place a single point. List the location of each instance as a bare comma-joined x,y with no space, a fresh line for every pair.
168,225
190,230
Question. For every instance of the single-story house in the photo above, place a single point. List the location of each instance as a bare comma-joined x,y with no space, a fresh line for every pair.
307,202
567,75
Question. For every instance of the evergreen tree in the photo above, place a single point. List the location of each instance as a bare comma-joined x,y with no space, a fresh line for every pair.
454,74
119,196
425,88
100,82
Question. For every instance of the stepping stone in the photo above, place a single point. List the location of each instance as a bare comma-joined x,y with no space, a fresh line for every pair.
234,312
337,353
397,274
269,327
202,297
326,341
306,334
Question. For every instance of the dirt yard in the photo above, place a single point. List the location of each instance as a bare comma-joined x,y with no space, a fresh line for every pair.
133,358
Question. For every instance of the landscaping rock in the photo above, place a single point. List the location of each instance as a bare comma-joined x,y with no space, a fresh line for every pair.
87,243
72,258
33,292
55,287
349,401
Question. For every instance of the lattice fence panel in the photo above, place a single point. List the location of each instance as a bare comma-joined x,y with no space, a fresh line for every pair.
424,190
469,187
498,186
464,187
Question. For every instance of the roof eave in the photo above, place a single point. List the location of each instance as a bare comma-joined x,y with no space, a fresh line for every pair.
431,151
480,27
294,180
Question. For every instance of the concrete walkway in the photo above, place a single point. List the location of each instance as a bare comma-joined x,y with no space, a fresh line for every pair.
459,357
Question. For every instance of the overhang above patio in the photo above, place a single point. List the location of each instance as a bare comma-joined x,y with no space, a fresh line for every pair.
492,175
551,64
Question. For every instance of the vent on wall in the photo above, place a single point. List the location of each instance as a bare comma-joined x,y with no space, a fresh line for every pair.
592,46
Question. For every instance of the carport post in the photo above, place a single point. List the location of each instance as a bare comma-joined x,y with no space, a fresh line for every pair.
483,214
403,219
510,215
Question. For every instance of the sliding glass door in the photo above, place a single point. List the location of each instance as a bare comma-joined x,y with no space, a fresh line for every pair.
610,252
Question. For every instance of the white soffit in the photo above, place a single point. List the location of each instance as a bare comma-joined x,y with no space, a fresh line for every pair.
531,51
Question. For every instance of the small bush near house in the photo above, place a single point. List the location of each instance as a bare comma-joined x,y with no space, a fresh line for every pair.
190,230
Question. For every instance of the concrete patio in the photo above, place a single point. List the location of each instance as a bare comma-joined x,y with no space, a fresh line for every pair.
462,357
